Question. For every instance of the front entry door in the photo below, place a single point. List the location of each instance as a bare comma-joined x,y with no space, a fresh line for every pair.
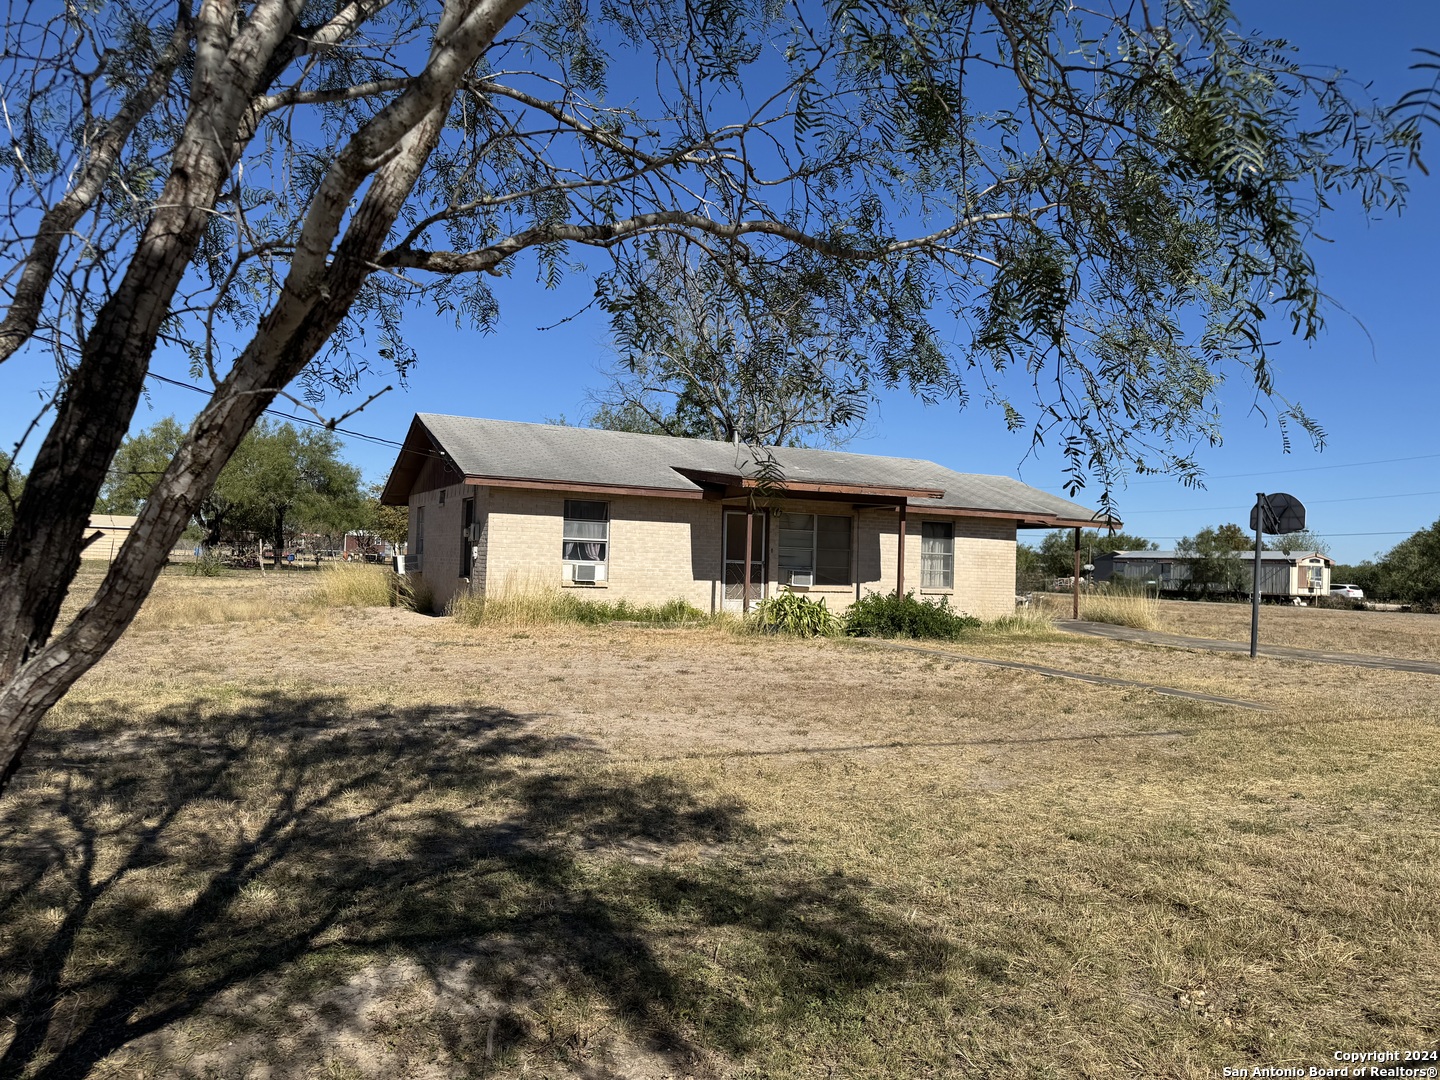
735,559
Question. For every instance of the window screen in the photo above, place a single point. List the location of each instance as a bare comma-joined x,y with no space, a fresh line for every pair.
832,550
818,544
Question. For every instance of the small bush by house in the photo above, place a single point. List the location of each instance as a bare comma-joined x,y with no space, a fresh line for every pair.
886,615
791,613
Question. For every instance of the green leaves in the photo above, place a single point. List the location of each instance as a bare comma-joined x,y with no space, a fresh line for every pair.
138,466
770,353
1090,218
791,613
885,615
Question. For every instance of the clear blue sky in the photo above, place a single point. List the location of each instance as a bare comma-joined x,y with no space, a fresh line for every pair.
1372,380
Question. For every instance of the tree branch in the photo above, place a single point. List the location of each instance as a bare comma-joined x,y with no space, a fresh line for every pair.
39,266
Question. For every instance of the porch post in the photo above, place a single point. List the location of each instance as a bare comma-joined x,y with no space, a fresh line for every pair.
900,556
749,542
1076,579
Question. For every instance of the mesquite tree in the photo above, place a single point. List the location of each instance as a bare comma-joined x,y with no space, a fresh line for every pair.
737,349
1110,202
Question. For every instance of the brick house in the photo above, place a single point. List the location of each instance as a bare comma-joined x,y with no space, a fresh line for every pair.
648,518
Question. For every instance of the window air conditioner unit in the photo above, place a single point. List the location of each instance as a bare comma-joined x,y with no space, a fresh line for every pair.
583,573
803,578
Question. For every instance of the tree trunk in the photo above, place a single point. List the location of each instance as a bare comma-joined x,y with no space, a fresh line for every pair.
94,412
99,399
278,538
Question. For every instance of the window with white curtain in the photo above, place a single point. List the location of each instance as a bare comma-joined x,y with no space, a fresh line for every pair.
937,555
586,535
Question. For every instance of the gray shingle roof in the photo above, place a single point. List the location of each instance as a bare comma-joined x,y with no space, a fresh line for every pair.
503,449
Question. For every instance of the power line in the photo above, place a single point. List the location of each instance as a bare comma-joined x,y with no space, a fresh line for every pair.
288,416
381,440
1303,468
1313,502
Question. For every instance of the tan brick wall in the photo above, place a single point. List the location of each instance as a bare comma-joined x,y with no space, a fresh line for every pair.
984,560
660,549
108,545
664,549
440,561
482,518
984,567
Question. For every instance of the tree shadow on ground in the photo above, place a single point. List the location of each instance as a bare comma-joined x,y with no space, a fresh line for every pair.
433,884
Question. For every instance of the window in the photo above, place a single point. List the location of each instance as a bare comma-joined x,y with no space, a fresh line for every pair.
586,538
815,544
937,555
420,530
1317,578
467,538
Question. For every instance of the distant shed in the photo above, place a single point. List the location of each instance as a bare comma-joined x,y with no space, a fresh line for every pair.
113,529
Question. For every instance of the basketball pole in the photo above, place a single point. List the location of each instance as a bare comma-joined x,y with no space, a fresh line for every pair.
1255,586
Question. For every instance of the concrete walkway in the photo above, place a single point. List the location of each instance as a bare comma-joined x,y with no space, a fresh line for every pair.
1060,673
1281,652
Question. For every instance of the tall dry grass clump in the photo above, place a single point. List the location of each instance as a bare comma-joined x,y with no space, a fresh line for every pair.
246,596
1031,621
520,602
527,602
195,609
358,585
1136,610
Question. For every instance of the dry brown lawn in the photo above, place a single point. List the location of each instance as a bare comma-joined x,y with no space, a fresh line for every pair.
1376,633
291,841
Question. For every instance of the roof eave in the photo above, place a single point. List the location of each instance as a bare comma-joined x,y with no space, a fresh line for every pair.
418,444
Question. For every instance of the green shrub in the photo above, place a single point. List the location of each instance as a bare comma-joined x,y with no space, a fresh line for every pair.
210,564
791,613
888,615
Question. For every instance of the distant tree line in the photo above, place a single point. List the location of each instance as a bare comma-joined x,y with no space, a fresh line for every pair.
284,485
1409,573
1054,556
